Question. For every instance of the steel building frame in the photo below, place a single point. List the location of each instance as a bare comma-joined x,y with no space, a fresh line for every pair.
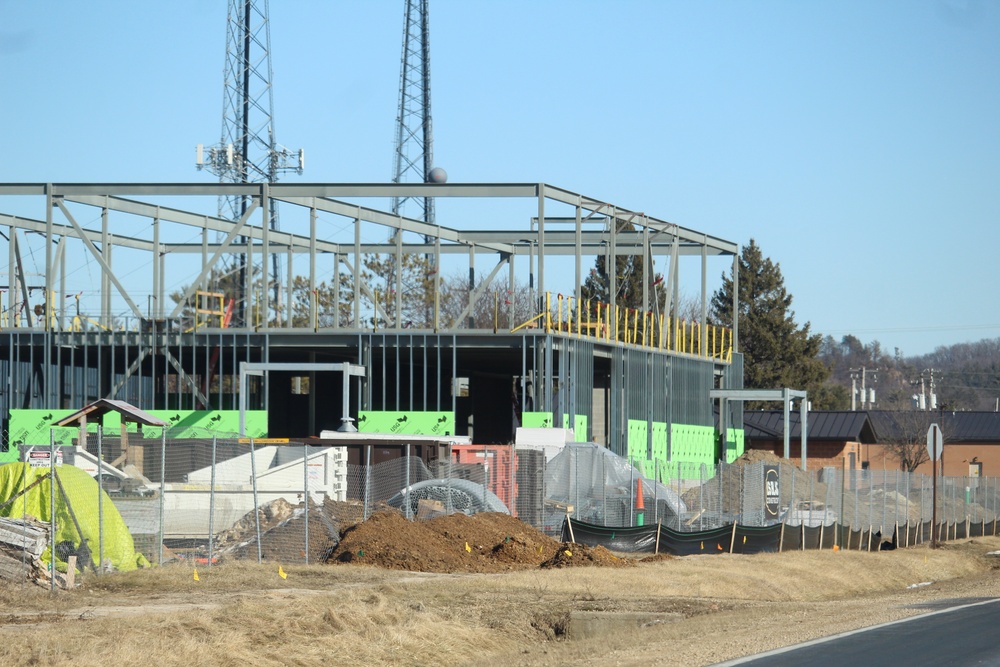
145,357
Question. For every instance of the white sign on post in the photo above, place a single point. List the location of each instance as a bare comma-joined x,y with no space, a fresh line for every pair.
935,442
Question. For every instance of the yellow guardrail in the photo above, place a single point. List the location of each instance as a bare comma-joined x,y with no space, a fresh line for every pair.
632,327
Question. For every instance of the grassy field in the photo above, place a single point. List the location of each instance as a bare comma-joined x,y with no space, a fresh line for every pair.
246,614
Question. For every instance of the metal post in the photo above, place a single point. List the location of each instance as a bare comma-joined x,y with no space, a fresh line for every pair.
406,489
256,503
305,493
100,504
656,490
52,510
604,489
163,479
211,506
631,493
895,500
368,479
906,476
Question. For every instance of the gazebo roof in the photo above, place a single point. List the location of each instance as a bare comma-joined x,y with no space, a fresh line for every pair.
102,406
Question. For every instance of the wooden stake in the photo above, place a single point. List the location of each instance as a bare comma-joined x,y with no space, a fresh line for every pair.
569,524
732,542
70,572
656,549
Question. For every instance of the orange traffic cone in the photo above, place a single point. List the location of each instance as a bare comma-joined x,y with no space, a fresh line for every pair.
640,506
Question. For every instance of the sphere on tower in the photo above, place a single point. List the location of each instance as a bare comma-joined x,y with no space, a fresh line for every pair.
437,175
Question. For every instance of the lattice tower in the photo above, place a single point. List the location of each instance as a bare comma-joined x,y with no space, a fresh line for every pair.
414,157
247,151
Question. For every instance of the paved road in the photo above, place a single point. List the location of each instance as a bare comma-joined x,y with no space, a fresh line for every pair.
956,633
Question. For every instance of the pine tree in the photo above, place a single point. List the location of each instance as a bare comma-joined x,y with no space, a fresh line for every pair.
777,352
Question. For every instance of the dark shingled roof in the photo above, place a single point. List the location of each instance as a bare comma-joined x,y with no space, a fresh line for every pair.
840,425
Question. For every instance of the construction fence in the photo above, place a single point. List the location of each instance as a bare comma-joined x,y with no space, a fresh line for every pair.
114,506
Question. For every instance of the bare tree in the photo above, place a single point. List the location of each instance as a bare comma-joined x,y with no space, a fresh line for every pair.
497,306
904,435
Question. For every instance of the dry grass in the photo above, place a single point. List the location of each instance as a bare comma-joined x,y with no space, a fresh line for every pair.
246,614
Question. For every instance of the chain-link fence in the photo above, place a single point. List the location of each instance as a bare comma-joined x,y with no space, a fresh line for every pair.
122,503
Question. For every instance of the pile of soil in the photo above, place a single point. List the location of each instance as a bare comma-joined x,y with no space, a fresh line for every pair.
486,542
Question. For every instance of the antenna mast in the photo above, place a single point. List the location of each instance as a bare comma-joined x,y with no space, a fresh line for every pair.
247,152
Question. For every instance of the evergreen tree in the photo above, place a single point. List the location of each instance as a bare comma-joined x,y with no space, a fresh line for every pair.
777,352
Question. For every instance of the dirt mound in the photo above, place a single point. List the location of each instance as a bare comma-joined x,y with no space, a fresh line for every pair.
486,542
758,456
573,555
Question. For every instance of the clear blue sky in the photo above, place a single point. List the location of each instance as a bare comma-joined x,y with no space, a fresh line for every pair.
858,142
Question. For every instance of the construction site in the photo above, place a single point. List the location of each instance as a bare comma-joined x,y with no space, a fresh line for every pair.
417,321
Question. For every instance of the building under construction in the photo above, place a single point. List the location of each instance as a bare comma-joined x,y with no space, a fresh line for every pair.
129,291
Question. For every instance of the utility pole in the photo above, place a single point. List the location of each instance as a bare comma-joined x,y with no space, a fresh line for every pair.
923,402
247,151
866,395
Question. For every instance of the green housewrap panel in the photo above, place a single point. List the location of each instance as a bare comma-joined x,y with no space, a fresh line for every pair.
407,422
197,423
536,420
579,427
81,492
734,444
638,450
31,428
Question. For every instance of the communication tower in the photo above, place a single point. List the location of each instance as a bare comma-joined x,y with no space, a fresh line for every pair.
414,159
247,151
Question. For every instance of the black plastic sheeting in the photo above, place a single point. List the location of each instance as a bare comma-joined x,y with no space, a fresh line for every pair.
751,540
644,539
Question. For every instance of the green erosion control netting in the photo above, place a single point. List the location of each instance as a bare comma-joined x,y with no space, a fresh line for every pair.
76,511
738,539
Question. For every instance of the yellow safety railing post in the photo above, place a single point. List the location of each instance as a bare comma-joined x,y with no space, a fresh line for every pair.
548,312
579,319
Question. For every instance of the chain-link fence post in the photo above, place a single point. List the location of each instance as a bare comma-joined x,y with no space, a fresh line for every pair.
576,478
656,490
604,490
408,512
305,495
368,480
163,485
211,505
256,500
486,473
100,501
631,493
857,497
52,509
